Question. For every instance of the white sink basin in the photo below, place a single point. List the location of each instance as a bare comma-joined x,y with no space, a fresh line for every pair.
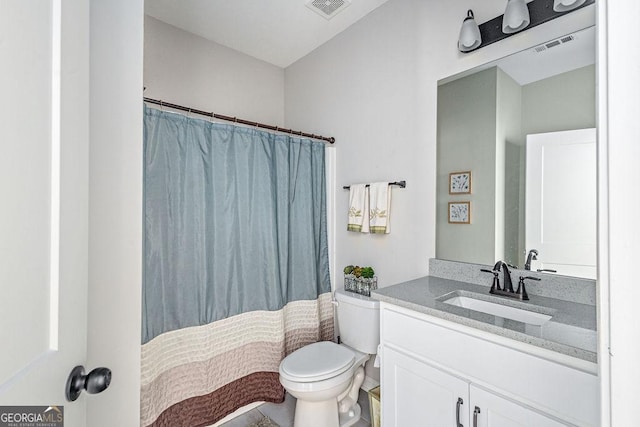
508,312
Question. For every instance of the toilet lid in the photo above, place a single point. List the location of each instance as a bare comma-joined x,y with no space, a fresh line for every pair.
316,362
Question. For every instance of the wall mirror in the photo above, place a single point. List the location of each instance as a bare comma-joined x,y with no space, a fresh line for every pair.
524,127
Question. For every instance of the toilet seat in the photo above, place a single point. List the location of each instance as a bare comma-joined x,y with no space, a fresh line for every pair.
317,362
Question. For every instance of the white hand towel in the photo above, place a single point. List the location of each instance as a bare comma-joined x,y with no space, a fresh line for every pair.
379,208
358,208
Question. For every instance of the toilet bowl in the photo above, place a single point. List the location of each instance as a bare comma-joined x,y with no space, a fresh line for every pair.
325,378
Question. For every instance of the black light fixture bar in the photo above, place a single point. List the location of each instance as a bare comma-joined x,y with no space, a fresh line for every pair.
540,11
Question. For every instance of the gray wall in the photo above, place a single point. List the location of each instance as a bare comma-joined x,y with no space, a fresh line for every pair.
514,204
563,102
467,142
508,138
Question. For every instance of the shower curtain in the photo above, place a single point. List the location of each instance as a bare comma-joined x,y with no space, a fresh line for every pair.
236,265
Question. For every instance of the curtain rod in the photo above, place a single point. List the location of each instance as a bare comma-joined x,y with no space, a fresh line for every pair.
329,139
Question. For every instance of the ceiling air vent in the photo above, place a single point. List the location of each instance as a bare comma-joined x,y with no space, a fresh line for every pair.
566,39
554,43
328,8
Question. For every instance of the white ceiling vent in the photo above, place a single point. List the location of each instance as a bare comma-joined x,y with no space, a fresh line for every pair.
554,43
328,8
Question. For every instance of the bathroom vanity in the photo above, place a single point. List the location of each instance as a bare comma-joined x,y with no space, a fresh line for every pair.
454,355
455,366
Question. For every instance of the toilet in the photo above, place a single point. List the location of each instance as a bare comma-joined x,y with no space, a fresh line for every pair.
325,377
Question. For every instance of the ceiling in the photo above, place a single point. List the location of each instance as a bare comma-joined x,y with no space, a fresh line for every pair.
551,58
276,31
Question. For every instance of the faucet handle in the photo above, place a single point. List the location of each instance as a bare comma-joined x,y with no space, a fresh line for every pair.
495,286
522,291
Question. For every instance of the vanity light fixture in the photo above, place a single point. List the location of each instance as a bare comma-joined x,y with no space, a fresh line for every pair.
566,5
469,38
519,15
516,16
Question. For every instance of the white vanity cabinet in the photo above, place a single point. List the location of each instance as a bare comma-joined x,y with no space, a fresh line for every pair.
436,372
423,395
414,393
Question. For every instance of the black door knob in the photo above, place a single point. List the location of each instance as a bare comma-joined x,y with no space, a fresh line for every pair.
95,382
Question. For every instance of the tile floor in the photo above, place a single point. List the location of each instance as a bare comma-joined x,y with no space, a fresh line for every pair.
282,413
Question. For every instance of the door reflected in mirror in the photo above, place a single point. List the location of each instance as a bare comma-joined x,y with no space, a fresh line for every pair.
522,199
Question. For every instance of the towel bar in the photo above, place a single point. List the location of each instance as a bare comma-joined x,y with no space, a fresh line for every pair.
401,184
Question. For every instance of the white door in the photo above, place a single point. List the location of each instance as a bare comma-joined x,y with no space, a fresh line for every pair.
490,410
561,201
44,215
47,227
414,393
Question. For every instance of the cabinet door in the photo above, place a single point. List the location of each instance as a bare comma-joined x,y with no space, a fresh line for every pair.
416,394
494,411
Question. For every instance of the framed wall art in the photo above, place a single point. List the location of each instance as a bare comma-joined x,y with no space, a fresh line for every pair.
459,212
460,182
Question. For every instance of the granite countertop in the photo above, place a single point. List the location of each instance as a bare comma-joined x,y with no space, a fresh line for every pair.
570,331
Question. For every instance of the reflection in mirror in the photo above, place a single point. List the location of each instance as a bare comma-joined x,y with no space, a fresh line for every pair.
526,194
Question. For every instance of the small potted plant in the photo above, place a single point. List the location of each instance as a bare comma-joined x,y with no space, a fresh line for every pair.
368,280
359,279
349,279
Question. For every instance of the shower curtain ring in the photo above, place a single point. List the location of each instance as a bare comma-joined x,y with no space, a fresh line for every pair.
189,112
161,106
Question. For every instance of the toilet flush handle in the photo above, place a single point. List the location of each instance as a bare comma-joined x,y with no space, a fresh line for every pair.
334,302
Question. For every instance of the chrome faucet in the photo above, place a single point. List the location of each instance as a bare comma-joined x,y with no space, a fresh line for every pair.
533,255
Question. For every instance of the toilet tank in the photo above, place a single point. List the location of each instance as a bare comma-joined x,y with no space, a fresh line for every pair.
358,320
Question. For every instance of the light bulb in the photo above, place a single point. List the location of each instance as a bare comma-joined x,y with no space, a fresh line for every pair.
469,38
516,16
566,5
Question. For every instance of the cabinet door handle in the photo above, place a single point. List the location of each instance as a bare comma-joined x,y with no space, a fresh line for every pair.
458,403
475,416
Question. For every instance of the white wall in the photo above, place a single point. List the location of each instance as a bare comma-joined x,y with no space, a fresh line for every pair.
619,228
373,87
115,209
184,69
